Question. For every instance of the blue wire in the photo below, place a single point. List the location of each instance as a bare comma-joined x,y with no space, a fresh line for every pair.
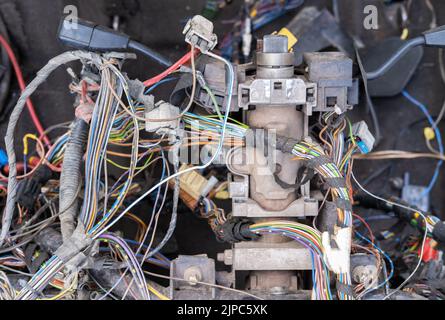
267,18
386,257
145,246
314,281
423,108
162,178
149,90
57,148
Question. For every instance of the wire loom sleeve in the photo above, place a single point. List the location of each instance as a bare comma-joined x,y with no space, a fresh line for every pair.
70,178
287,145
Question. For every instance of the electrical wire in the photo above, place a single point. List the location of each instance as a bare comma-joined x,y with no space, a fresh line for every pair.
425,236
21,81
201,167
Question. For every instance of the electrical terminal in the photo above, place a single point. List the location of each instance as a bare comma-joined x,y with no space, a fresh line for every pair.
194,186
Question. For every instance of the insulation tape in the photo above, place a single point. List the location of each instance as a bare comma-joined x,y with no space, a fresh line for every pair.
336,183
318,162
345,289
77,243
343,204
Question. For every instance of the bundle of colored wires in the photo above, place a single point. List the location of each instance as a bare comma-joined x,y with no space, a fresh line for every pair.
103,118
129,257
113,123
211,126
308,151
329,170
7,291
310,239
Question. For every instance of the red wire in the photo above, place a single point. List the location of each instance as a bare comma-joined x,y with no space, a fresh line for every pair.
371,234
170,70
21,81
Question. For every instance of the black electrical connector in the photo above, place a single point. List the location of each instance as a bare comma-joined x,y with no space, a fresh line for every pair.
404,214
237,230
85,35
29,189
435,37
431,38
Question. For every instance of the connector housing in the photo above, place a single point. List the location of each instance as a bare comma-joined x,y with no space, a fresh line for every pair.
28,190
89,36
162,110
199,33
193,186
367,140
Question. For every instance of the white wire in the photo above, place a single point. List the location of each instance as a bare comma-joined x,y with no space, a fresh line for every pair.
424,237
215,156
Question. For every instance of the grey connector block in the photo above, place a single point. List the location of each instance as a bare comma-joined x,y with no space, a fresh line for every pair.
332,71
361,131
199,33
275,44
435,37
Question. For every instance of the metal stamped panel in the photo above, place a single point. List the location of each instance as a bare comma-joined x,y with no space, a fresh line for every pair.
299,209
283,257
273,92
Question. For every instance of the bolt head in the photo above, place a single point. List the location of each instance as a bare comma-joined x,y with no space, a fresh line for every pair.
193,275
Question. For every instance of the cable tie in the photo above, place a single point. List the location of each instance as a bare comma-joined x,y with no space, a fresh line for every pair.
318,162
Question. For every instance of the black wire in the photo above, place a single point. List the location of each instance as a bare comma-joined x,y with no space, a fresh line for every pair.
371,108
336,10
395,58
150,53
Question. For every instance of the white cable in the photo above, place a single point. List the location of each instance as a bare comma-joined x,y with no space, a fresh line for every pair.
424,237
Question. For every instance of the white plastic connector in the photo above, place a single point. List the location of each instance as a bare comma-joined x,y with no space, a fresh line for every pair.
338,259
362,131
247,38
162,110
199,33
209,187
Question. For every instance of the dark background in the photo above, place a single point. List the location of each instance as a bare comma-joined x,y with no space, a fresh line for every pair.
159,24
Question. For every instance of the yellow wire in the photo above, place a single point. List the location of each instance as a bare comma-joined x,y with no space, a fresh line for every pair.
126,168
61,294
405,34
157,293
25,142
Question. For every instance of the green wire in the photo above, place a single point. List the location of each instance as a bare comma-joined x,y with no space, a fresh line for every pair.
351,135
215,103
